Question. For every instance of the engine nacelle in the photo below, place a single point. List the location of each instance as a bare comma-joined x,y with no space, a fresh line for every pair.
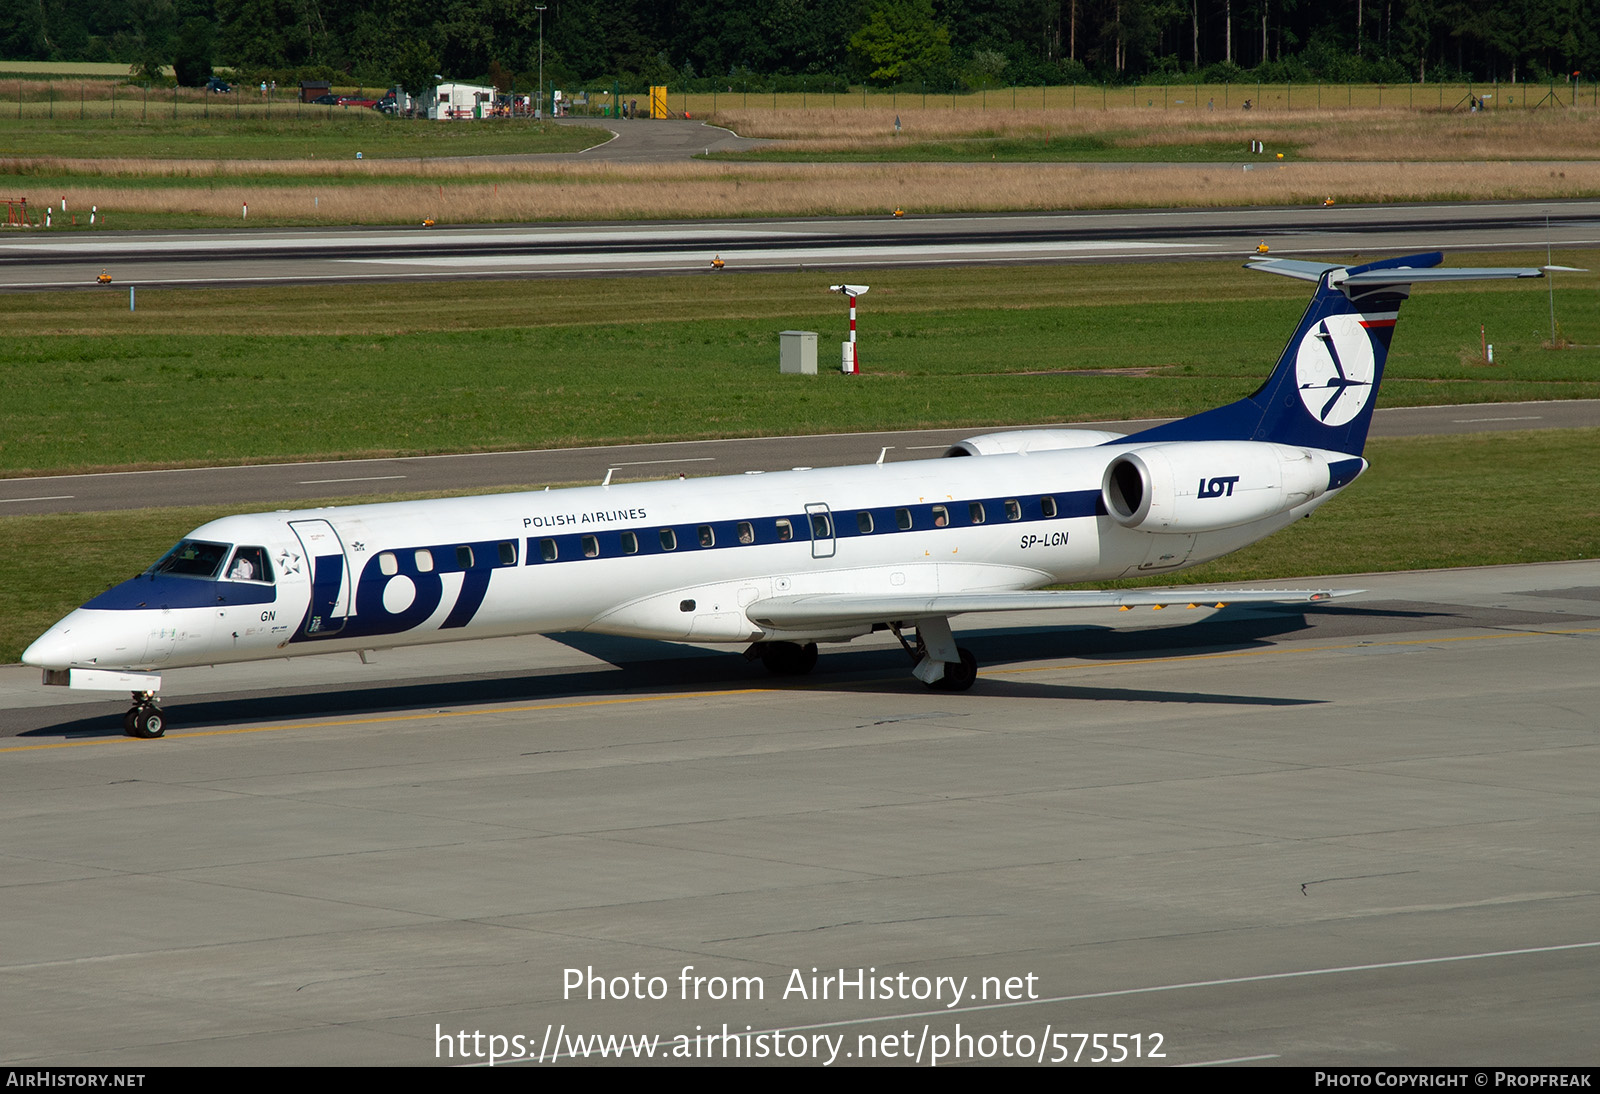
1031,440
1205,486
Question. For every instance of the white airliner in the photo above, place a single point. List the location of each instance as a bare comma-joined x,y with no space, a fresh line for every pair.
777,562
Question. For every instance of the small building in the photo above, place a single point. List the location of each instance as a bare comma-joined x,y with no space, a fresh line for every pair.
314,89
456,102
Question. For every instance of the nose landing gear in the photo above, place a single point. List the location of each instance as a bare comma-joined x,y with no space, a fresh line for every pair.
144,720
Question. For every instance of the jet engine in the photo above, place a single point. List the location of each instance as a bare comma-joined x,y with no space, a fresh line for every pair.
1205,486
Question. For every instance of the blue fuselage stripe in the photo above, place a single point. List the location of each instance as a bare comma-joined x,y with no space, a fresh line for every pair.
570,547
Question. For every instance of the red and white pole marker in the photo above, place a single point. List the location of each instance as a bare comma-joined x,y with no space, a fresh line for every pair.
849,364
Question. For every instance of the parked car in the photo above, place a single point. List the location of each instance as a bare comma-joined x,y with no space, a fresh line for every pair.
396,103
352,101
325,100
218,85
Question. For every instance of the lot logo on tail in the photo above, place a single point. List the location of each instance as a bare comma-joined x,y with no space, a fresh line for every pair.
1334,369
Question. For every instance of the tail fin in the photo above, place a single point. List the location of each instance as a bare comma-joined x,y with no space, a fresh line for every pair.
1322,392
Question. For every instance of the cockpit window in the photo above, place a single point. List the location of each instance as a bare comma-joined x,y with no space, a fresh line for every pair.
192,558
250,564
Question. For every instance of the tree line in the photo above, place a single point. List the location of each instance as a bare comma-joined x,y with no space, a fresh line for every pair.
698,45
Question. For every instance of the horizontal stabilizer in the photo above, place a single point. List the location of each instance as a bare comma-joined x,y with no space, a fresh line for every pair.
830,609
1416,277
1292,267
1414,270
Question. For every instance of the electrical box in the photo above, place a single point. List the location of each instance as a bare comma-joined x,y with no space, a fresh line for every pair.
797,352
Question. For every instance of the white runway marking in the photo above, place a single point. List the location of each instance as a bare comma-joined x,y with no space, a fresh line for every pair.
686,459
363,478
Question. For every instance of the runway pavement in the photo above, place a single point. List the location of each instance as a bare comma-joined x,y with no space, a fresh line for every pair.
1358,834
308,256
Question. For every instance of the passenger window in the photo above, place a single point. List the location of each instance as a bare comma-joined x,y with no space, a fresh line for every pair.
975,511
747,534
1047,506
902,519
821,526
250,564
1013,509
669,540
424,561
464,557
630,543
941,516
388,565
508,553
591,547
708,538
785,531
548,550
864,523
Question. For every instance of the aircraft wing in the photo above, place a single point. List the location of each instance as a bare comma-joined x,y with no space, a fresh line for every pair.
828,609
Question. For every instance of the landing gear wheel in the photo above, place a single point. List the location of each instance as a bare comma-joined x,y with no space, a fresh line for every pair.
145,723
958,675
789,658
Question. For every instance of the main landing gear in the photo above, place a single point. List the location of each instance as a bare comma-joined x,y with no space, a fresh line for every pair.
144,719
933,637
939,662
958,675
785,658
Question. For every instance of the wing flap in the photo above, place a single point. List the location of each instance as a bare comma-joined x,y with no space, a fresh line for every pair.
829,609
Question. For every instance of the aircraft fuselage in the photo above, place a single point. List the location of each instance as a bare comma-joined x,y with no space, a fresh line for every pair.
678,560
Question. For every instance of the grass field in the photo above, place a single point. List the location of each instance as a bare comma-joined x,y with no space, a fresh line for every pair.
39,70
1126,134
1426,502
302,373
137,141
1068,148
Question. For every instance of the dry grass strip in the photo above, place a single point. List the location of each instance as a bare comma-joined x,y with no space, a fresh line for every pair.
599,191
1348,134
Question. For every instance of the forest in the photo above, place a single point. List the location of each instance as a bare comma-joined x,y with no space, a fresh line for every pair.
700,45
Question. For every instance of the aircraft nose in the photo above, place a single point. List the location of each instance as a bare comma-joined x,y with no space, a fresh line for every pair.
52,650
